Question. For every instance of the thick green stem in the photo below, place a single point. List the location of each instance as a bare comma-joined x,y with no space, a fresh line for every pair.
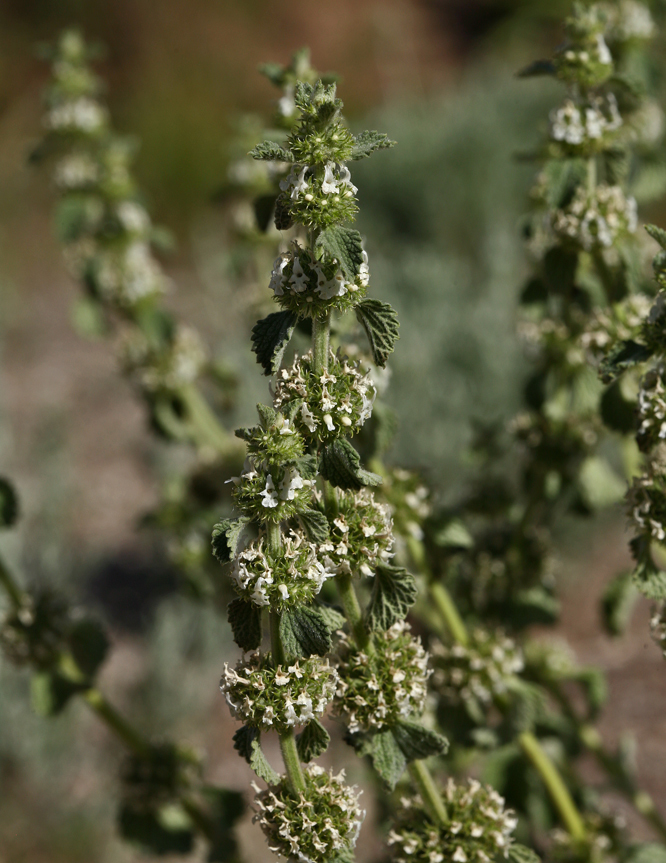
16,595
292,763
352,611
558,791
206,428
449,613
120,727
321,336
330,500
429,793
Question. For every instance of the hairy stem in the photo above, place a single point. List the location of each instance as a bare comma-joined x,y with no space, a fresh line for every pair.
558,791
321,337
432,799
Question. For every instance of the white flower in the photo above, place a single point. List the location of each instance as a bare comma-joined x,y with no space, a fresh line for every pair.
329,185
290,483
269,495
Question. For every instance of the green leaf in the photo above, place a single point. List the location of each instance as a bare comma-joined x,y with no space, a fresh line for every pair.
534,605
538,67
341,465
380,322
264,206
333,619
307,466
245,622
453,534
528,703
270,337
50,692
600,486
616,162
559,269
227,536
153,833
243,739
312,741
304,632
345,245
647,576
367,142
387,758
618,602
393,593
315,525
647,852
270,151
283,218
417,742
247,742
517,853
657,234
9,507
618,412
594,683
623,356
88,645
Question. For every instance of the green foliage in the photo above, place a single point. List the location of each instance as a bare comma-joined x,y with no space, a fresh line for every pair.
417,742
393,593
388,758
345,245
270,338
9,508
312,741
380,323
341,466
271,152
227,538
366,143
617,603
304,632
166,831
315,525
245,622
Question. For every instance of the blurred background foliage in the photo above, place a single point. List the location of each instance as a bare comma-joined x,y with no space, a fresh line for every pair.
441,216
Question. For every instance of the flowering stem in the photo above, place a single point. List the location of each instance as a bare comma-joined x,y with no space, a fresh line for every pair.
558,791
431,797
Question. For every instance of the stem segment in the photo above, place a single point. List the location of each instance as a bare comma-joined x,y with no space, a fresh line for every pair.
321,337
353,613
121,728
431,796
205,425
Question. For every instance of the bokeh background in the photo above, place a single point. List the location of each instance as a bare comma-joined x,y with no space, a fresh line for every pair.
441,217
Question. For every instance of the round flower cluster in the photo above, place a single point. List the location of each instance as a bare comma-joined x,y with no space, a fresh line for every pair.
479,828
585,127
361,535
310,288
377,690
292,576
478,671
168,368
651,409
277,444
329,403
315,826
35,633
408,501
274,495
268,697
646,503
604,328
585,59
553,339
82,115
318,195
127,273
330,145
597,220
76,171
658,627
627,21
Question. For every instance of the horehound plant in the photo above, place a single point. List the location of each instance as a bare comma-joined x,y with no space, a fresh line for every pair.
309,516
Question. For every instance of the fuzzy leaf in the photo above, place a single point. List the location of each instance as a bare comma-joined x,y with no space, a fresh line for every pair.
259,763
527,705
538,67
617,603
312,741
270,151
245,622
306,465
416,742
600,486
624,356
345,245
341,465
647,576
367,142
243,741
387,758
333,619
393,593
453,534
8,504
380,322
226,537
270,337
657,234
521,854
315,525
304,632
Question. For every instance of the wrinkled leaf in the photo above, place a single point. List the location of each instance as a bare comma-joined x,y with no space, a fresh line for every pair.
368,142
623,356
270,151
227,536
304,632
245,622
387,758
345,245
417,742
380,322
315,525
270,337
341,465
312,741
393,593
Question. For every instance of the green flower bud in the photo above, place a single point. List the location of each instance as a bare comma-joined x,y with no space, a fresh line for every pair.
289,577
332,144
325,405
278,698
311,287
378,689
316,826
479,828
478,671
276,495
361,535
274,444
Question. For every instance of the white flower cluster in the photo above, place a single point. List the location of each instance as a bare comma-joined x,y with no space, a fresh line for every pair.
175,366
479,670
332,402
361,535
605,327
646,500
301,181
652,409
296,272
596,221
550,337
627,20
577,124
391,683
286,490
479,828
315,826
658,627
128,273
270,496
269,697
294,576
75,171
81,114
